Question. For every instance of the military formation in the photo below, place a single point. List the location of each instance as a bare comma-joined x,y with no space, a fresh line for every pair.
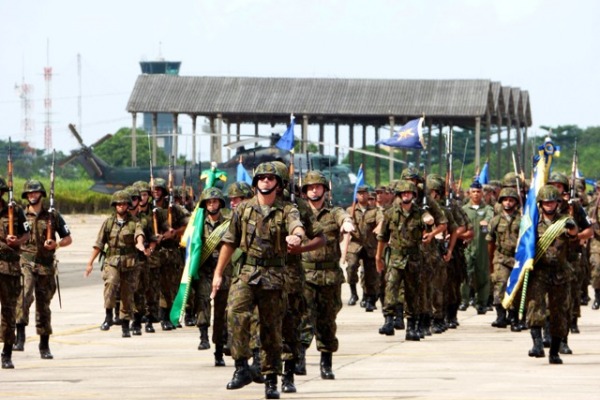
277,253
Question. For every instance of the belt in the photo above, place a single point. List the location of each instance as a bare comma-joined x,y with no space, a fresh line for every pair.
265,262
406,251
320,265
123,251
507,253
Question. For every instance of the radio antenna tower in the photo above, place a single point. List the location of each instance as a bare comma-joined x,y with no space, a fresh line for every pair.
48,102
24,91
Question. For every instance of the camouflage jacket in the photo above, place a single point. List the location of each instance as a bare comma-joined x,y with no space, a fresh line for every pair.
9,256
503,231
118,240
365,220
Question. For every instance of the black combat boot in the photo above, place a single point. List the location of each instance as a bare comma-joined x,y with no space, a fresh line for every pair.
7,357
596,304
136,325
438,325
219,361
500,321
20,341
108,320
574,327
149,328
326,372
125,328
256,367
546,337
513,318
271,391
189,318
537,350
241,375
399,318
165,322
44,348
117,320
453,316
370,304
554,358
301,362
564,347
204,343
388,326
287,379
411,330
353,295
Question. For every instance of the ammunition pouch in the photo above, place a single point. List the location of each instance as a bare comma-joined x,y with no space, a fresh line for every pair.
320,265
237,260
262,262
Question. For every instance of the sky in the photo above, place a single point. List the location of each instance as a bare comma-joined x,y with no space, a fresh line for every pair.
548,47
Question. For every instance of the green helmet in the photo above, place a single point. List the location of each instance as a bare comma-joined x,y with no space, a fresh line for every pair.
508,192
283,171
266,168
3,185
212,193
558,177
132,191
120,196
436,182
239,189
548,193
160,183
411,173
406,186
33,185
510,180
314,178
142,186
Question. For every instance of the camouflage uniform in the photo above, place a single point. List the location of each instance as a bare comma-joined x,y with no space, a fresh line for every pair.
39,270
594,214
260,232
10,276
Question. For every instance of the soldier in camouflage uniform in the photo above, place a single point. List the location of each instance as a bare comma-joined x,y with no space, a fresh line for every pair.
324,277
502,237
168,257
406,232
362,248
213,202
573,208
10,271
263,227
38,266
548,288
121,235
594,213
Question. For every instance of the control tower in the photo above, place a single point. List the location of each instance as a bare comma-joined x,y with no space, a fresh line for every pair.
164,123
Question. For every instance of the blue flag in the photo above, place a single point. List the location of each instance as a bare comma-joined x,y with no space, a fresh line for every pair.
242,174
409,136
484,175
360,181
287,140
525,254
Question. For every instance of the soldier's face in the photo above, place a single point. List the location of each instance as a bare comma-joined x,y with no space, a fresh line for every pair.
121,208
234,201
508,203
549,207
212,206
407,197
362,198
315,192
34,197
476,195
266,182
144,196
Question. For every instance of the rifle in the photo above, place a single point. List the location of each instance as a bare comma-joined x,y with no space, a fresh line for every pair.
154,209
11,199
573,188
171,194
330,185
292,179
462,167
300,177
517,180
51,210
183,185
308,163
449,177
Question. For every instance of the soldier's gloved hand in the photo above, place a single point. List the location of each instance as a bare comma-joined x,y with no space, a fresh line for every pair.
570,224
348,227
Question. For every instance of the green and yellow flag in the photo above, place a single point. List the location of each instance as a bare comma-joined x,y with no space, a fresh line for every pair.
192,241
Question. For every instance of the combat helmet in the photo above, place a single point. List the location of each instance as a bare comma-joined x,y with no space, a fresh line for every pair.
33,185
142,186
212,193
559,177
283,171
510,180
411,173
436,182
160,183
548,193
133,191
239,189
266,168
120,196
406,186
314,178
508,192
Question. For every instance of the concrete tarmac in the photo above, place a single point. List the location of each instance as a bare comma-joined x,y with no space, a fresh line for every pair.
474,361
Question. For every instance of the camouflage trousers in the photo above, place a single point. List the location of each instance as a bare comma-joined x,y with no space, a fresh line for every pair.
292,322
323,305
140,283
455,276
171,268
201,301
575,291
152,293
547,295
119,280
10,288
408,277
371,280
499,281
595,267
438,289
243,298
40,288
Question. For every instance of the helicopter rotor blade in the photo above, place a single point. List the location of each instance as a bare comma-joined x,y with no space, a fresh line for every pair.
101,140
76,134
